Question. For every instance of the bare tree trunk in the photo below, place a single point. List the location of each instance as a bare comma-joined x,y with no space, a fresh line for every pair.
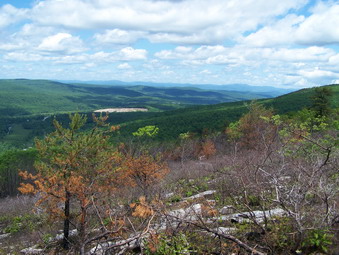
65,242
82,232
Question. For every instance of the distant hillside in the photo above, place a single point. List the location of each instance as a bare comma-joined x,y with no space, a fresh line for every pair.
26,97
26,106
266,91
217,117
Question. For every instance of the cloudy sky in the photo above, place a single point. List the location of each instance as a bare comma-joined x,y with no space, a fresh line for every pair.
284,43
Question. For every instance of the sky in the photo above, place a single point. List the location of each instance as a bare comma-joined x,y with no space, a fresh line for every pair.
287,44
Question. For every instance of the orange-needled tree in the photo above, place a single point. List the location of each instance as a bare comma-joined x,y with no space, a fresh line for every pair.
74,169
143,171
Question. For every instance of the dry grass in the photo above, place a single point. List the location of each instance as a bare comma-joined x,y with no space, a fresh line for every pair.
15,206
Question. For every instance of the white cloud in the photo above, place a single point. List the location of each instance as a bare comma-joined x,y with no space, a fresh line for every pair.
334,60
22,56
245,55
125,54
320,28
318,74
73,59
280,33
217,41
124,66
61,42
9,15
11,46
205,71
188,53
313,53
27,38
190,21
130,53
30,30
118,36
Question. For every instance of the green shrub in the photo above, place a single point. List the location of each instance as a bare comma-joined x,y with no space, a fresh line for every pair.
20,223
318,240
168,245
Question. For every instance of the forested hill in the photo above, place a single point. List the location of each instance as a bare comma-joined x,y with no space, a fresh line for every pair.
27,108
216,117
23,97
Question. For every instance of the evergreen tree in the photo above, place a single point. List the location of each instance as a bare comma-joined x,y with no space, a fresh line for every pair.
73,166
321,101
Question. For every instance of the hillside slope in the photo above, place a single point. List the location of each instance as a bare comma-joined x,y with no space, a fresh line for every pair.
30,97
217,117
19,129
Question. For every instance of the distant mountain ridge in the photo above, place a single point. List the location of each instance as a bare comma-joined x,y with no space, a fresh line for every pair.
27,105
27,97
270,91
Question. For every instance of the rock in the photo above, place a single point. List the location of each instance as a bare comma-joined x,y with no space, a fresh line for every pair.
228,209
189,213
3,236
246,216
32,251
73,232
127,244
168,195
225,231
200,195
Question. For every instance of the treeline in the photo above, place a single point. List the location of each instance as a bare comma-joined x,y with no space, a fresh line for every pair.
11,162
215,118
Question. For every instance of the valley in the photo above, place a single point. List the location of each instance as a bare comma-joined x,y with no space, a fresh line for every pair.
27,107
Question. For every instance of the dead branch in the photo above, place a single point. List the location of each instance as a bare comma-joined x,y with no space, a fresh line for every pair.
241,244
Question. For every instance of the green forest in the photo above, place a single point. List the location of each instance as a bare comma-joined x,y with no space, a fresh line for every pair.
27,107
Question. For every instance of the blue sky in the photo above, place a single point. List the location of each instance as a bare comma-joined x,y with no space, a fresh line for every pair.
290,43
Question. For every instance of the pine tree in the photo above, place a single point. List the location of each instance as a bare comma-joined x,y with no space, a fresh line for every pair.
74,168
321,101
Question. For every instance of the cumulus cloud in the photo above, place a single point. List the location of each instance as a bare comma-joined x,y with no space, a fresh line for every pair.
130,53
182,52
334,60
125,54
23,56
118,36
9,15
251,41
243,55
61,42
124,66
280,33
11,46
320,28
318,74
190,21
